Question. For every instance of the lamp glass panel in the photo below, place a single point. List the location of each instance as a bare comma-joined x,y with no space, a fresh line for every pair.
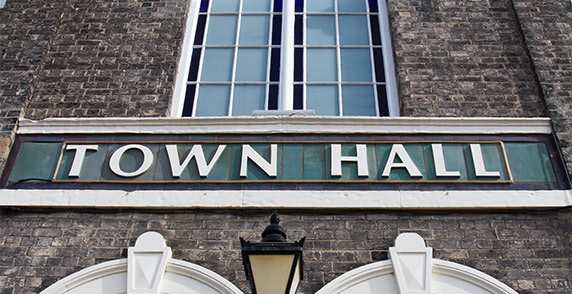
296,278
271,272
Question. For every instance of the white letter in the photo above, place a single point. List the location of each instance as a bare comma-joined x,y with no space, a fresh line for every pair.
439,160
479,163
361,159
116,158
268,167
78,158
198,154
399,150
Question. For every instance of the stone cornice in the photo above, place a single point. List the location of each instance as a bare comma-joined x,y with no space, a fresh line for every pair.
287,125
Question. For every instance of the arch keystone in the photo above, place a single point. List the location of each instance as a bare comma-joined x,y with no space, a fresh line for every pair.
412,263
146,263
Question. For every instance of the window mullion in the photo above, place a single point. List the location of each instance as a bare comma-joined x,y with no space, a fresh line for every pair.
235,59
338,59
286,96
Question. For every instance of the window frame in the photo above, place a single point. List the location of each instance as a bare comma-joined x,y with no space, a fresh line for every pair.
285,96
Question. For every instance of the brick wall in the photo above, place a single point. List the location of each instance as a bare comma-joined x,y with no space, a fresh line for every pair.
79,58
547,29
529,251
26,31
111,58
461,58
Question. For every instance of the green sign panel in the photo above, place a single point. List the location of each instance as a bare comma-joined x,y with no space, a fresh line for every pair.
423,162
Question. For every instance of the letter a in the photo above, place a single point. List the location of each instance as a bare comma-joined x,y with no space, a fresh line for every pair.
406,162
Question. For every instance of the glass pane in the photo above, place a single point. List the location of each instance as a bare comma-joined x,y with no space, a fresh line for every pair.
356,65
298,64
353,30
200,32
254,30
276,29
322,65
323,99
213,100
321,30
320,6
273,97
222,30
256,5
248,98
277,5
372,5
251,64
351,6
204,5
189,100
298,30
299,5
358,100
225,5
217,64
375,35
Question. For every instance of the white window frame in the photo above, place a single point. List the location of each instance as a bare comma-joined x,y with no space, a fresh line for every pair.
286,93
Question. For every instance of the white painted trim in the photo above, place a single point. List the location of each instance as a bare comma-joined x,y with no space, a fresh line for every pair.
287,125
471,275
87,275
184,61
442,267
178,267
388,63
245,199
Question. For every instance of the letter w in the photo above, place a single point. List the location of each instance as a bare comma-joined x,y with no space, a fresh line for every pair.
197,152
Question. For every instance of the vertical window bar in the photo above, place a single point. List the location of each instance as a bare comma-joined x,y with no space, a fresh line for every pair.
286,96
234,61
300,91
269,55
339,60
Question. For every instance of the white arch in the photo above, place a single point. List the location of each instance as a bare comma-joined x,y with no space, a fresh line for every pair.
148,269
408,272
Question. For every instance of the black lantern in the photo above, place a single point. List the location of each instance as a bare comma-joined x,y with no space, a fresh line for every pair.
273,266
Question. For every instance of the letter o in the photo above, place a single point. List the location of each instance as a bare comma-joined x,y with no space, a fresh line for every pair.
116,158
